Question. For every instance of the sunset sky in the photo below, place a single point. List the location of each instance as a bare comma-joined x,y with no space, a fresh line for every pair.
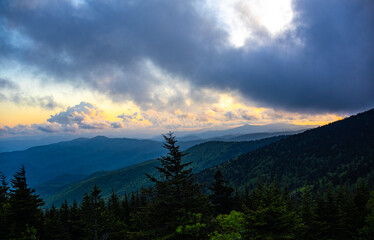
79,66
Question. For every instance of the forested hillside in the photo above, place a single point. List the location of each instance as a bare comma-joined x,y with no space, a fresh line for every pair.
175,207
81,156
132,178
341,152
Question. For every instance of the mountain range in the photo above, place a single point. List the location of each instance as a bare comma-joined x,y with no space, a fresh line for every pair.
340,152
132,178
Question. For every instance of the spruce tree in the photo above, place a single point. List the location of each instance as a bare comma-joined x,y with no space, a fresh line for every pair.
93,207
4,198
65,219
174,195
270,217
307,213
367,231
221,194
54,230
24,207
75,221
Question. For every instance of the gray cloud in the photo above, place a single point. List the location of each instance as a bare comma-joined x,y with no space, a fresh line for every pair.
128,117
46,102
324,64
6,84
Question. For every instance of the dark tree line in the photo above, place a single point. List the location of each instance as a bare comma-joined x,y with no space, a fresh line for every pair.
177,207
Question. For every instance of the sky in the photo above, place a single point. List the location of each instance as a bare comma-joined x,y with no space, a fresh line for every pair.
141,66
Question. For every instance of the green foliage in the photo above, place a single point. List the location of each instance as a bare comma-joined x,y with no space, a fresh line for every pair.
173,196
341,152
221,198
367,231
229,226
193,227
29,234
24,206
270,218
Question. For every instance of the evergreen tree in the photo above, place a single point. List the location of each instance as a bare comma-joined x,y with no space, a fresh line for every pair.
347,214
4,198
65,219
24,207
125,213
114,205
93,208
221,194
270,218
367,231
174,196
75,222
53,228
307,213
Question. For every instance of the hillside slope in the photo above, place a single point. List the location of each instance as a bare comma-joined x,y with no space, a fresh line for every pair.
79,156
342,151
132,178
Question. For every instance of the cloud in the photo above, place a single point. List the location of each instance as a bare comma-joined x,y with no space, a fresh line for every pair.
127,49
6,84
128,117
46,102
13,94
83,117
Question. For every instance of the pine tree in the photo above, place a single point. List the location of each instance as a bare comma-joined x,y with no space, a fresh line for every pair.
4,199
75,221
53,228
93,207
125,213
24,206
307,213
367,231
347,214
64,219
221,194
174,195
270,218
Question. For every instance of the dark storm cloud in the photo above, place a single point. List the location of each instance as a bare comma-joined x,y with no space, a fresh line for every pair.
324,64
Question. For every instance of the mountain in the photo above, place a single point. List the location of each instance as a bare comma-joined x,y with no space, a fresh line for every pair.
81,156
340,152
249,129
132,178
237,131
252,136
23,143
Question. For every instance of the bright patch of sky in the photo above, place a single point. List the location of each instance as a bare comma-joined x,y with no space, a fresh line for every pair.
243,18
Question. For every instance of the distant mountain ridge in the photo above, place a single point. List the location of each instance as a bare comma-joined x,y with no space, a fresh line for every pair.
241,130
88,155
79,156
132,178
340,152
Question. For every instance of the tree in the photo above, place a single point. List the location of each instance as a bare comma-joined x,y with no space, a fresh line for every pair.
75,222
229,226
65,219
270,218
367,231
93,208
174,196
53,228
4,199
221,194
24,206
307,213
